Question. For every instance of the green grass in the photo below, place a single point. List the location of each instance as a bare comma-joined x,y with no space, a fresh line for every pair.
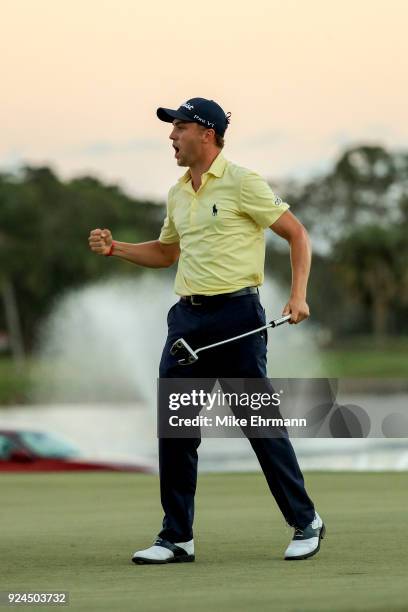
76,532
361,358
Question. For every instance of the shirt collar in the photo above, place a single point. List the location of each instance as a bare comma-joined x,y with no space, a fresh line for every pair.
216,169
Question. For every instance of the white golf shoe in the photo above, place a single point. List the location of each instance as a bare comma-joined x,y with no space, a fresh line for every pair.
164,551
306,542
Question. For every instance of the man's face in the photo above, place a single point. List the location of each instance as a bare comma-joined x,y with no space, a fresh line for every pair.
187,138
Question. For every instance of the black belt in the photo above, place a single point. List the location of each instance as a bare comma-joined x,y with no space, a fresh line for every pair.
200,300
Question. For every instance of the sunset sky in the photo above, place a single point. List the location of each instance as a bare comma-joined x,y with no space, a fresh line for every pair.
303,79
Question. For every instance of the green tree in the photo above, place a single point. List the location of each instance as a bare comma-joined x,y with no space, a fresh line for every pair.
371,264
45,225
368,186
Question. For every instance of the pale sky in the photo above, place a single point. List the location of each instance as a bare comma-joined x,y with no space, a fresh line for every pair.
81,81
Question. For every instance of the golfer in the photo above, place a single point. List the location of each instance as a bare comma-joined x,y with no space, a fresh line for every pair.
216,216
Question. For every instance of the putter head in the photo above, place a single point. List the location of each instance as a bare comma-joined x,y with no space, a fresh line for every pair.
184,351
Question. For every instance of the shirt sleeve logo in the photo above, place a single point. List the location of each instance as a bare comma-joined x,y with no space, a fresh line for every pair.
277,201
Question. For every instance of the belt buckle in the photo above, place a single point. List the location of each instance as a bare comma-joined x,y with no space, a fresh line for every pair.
193,302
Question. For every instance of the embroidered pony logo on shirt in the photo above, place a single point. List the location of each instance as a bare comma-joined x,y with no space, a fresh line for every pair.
214,210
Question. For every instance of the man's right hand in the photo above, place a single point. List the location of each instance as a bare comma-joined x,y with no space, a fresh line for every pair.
100,241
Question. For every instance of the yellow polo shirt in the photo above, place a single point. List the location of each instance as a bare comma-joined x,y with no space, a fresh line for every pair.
220,228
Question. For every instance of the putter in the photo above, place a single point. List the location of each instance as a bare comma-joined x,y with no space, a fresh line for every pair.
189,355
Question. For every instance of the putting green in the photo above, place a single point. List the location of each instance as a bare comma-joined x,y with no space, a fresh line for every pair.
76,532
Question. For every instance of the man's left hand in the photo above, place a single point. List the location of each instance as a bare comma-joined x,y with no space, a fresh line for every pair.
298,308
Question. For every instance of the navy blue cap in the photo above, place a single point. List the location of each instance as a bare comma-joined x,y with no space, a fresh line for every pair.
207,113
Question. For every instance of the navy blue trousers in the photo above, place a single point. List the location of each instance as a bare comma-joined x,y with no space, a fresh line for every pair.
245,358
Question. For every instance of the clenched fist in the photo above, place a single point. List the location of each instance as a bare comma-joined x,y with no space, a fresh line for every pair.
298,308
100,241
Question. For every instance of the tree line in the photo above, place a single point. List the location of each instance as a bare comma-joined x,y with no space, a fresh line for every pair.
357,215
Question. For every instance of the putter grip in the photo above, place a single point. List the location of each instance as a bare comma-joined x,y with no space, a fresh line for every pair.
280,321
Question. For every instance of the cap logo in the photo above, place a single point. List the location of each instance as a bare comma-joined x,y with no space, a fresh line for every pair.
188,106
204,121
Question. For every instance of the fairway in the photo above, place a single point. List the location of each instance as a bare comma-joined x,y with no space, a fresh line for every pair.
76,532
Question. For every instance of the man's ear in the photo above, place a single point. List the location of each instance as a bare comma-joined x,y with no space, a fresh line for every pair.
210,134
